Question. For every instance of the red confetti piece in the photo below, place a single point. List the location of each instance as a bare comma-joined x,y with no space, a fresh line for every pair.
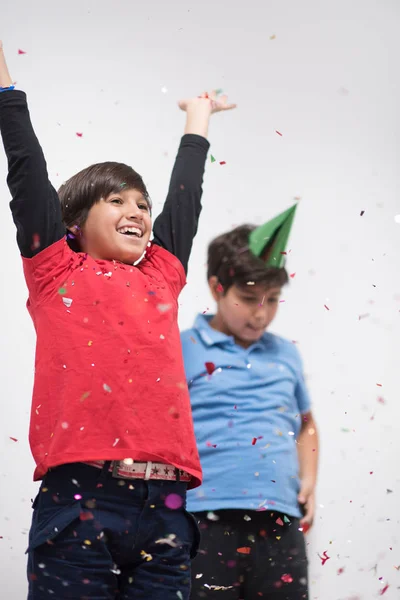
222,162
79,134
305,528
86,516
244,550
21,52
13,439
253,443
286,578
210,367
385,589
279,522
292,275
324,557
220,288
340,571
35,241
278,132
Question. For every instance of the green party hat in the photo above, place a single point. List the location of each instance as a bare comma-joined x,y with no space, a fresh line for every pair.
269,240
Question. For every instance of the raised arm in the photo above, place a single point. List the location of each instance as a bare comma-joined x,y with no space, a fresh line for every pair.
35,206
176,226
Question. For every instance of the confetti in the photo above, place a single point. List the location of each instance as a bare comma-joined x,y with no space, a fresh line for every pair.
173,501
106,388
212,159
326,307
35,241
210,366
340,571
79,135
164,90
385,589
272,37
222,162
13,439
146,556
244,550
67,302
162,308
179,594
324,557
362,212
253,443
220,288
21,52
286,578
279,133
279,522
292,275
168,540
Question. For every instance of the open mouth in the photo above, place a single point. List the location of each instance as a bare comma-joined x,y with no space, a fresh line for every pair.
131,231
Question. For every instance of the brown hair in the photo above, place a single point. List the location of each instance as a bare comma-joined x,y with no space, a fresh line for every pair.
232,262
86,188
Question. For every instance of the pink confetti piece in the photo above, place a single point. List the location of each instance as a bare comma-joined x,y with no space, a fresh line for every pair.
385,589
379,384
279,522
324,557
35,241
220,288
210,367
79,134
381,400
13,439
21,52
210,445
286,578
173,501
278,132
292,275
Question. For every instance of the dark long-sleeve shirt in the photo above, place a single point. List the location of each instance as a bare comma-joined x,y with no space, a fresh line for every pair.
35,205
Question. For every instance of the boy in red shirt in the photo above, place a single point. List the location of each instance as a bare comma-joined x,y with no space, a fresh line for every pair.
111,429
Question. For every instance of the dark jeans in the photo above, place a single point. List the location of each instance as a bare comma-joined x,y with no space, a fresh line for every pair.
96,537
249,559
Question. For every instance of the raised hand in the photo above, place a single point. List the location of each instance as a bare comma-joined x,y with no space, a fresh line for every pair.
5,77
216,102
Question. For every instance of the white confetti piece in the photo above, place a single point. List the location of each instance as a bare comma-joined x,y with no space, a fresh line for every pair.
67,302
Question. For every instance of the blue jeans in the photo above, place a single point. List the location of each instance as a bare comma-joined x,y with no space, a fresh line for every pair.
97,537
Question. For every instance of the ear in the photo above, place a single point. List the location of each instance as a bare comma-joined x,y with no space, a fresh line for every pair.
216,288
75,230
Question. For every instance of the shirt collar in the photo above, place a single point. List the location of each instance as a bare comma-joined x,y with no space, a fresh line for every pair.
212,337
209,335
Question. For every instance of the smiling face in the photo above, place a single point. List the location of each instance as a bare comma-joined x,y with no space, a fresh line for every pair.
117,227
244,312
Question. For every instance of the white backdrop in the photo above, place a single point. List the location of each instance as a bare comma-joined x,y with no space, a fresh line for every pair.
325,75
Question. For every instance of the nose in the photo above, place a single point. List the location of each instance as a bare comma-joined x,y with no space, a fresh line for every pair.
134,212
261,313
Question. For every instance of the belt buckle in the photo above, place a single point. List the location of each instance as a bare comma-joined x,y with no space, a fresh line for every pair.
115,468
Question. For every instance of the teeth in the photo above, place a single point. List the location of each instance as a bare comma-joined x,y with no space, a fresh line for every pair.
130,230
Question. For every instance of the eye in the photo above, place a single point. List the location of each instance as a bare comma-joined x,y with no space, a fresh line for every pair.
273,300
116,200
143,206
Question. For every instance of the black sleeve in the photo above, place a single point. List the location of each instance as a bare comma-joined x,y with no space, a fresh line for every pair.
176,226
35,205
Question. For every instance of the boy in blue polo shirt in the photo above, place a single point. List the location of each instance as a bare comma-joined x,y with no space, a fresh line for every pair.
255,432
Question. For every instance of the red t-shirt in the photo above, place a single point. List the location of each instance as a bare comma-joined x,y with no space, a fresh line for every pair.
109,376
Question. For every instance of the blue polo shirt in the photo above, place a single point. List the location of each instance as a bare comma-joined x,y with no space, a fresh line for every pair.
246,418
